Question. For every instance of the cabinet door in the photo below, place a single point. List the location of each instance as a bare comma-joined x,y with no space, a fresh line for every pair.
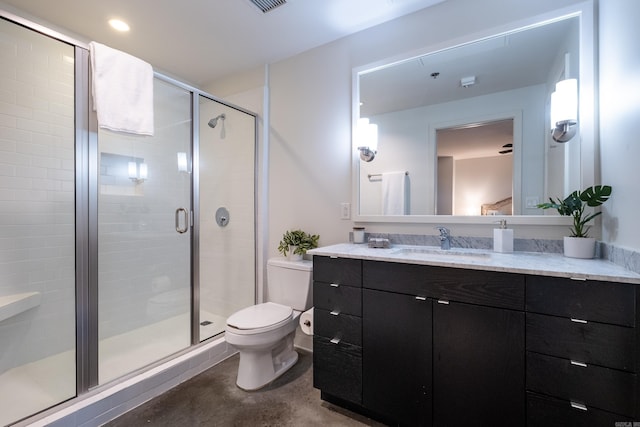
397,356
478,366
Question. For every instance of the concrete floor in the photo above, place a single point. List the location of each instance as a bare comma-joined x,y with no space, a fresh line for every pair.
213,399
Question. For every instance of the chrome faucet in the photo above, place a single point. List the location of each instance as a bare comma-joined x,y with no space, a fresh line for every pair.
445,238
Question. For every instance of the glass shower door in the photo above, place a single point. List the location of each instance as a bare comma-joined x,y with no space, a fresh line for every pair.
144,239
37,227
227,248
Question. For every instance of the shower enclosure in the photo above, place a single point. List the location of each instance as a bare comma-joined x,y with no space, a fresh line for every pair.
114,255
226,158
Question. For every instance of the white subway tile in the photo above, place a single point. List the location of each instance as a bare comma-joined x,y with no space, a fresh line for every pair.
31,172
8,97
14,134
15,183
32,102
15,110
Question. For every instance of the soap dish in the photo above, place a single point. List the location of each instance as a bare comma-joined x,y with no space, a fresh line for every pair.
378,242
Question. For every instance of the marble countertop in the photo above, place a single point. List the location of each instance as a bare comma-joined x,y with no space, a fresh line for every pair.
545,264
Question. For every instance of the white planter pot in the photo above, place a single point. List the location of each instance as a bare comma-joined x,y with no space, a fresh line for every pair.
579,247
293,257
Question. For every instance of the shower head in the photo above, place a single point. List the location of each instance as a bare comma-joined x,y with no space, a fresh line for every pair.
213,122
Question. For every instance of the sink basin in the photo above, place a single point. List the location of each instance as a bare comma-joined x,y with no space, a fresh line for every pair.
437,253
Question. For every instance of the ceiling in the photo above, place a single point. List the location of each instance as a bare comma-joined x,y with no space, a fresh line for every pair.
502,63
497,64
200,41
478,140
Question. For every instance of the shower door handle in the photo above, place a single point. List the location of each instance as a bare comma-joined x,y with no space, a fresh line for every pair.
185,228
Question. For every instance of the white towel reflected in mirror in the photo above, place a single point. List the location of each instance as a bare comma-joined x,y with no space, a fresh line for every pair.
394,193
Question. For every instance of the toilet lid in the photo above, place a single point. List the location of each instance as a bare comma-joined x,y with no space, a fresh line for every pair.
260,316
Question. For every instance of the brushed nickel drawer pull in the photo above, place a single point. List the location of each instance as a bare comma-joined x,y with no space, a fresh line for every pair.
419,298
443,301
576,363
335,312
578,320
335,341
334,285
576,405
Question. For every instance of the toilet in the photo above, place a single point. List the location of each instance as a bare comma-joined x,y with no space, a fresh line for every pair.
263,333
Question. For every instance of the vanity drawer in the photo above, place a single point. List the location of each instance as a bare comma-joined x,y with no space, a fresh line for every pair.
394,277
543,411
334,297
592,343
489,288
342,271
605,302
337,369
337,326
594,386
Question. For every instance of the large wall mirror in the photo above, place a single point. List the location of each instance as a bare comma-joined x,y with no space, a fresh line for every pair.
463,132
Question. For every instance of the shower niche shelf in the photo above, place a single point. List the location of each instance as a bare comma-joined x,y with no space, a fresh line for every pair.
12,305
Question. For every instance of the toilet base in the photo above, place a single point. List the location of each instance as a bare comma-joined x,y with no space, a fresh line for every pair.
259,368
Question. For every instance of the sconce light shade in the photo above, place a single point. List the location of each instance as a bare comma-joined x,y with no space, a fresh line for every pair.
143,171
564,110
367,139
137,171
133,170
182,162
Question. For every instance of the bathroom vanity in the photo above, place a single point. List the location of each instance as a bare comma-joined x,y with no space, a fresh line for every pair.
419,337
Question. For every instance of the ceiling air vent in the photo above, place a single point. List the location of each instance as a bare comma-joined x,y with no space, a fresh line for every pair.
267,5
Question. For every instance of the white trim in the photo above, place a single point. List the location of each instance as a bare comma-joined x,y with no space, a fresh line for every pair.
588,134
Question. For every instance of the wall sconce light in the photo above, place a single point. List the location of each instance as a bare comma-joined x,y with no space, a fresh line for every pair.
564,110
137,172
367,139
183,166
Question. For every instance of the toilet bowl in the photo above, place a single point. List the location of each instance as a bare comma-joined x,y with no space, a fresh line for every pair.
263,334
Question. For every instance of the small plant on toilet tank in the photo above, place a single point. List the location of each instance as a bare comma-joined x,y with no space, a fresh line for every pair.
297,242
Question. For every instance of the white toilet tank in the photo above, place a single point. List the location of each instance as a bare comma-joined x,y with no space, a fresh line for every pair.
290,283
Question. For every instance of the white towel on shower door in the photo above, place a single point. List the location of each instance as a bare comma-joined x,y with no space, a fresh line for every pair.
394,188
122,90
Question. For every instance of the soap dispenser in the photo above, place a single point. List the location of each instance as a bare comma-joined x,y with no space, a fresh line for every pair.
503,238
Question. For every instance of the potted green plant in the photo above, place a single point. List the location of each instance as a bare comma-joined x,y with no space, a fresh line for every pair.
296,243
579,244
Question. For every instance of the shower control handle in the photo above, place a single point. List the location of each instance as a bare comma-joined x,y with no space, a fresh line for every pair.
185,228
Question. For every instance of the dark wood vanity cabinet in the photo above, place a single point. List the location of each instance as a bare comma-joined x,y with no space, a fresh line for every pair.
397,359
582,361
337,317
478,365
443,346
427,345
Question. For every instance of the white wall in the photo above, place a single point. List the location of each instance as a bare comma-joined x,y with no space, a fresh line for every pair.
310,154
619,119
475,186
407,141
402,146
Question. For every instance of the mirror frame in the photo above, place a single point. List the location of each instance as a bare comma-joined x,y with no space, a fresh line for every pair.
586,136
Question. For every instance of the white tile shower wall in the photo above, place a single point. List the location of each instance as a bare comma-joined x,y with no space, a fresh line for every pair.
36,193
227,254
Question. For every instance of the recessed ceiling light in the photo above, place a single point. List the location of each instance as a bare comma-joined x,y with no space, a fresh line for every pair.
119,25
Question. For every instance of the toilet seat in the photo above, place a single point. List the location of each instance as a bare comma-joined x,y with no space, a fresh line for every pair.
259,318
